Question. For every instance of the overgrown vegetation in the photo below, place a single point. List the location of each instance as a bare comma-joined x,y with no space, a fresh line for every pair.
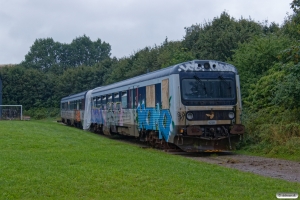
266,55
46,160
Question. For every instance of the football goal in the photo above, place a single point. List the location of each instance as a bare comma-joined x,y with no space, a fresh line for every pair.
11,112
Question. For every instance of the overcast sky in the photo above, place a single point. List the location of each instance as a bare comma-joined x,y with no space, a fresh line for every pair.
127,25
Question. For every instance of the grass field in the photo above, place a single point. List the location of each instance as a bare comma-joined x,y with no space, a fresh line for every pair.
47,160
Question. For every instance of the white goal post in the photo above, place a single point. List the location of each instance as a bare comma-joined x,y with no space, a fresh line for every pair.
11,112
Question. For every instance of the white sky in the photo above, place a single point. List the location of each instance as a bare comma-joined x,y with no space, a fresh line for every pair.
127,25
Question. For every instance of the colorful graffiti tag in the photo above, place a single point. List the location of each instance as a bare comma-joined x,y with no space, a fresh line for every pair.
155,119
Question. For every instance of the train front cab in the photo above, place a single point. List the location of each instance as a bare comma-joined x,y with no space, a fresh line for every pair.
209,108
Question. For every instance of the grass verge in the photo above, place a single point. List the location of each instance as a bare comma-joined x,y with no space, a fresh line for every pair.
46,160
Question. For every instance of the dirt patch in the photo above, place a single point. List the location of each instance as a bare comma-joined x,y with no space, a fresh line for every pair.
270,167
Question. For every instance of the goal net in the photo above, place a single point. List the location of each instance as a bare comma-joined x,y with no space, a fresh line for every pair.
11,112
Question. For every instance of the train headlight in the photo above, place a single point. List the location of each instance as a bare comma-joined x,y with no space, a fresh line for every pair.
231,115
189,116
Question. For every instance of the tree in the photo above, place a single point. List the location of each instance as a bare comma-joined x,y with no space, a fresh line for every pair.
43,54
47,55
291,26
85,52
255,58
217,39
28,87
288,90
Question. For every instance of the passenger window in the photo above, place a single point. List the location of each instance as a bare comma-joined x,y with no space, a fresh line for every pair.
98,104
124,99
80,104
103,102
94,102
109,102
116,97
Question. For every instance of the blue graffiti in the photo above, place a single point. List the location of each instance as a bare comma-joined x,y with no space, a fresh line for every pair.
97,116
165,124
155,119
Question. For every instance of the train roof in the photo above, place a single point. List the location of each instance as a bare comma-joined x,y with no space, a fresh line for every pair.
185,67
74,97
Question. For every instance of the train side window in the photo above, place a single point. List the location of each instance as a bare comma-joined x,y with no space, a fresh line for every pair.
116,100
135,97
109,101
103,102
116,97
142,95
80,104
124,99
109,98
98,104
94,102
130,99
157,94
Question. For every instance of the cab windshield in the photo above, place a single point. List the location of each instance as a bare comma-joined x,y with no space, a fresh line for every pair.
205,89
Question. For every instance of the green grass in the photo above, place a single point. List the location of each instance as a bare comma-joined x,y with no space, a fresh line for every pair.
46,160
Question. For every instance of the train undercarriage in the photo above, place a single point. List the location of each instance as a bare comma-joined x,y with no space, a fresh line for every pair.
212,139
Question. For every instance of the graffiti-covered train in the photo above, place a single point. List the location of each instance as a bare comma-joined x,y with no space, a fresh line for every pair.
194,105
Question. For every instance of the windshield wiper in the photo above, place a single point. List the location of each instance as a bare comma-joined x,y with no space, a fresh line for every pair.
203,85
228,84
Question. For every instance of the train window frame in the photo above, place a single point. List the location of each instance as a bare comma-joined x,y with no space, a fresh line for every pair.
109,97
124,99
116,97
94,100
80,104
109,101
98,102
207,82
141,96
158,95
104,102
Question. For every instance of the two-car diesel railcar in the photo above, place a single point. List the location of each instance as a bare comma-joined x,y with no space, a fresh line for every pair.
194,105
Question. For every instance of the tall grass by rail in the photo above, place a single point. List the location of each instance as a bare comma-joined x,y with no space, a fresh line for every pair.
46,160
274,133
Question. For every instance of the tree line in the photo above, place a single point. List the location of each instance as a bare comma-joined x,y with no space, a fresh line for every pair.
265,54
